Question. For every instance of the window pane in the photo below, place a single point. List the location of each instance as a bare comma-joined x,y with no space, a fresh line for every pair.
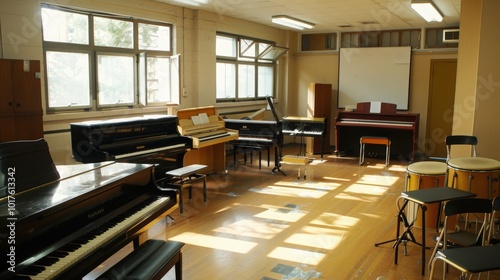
154,37
115,79
113,33
158,79
246,81
65,27
225,46
265,81
226,80
68,79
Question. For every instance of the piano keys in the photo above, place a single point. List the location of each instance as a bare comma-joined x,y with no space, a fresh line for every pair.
305,127
401,128
64,228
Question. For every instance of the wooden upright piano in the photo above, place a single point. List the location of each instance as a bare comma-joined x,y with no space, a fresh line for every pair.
401,128
209,134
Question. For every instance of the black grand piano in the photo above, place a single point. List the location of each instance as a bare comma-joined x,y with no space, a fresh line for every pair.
63,221
66,220
258,133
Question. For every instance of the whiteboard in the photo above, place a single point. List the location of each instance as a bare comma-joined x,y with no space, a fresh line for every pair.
374,74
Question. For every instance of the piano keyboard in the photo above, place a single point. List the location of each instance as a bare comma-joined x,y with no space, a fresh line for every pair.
62,259
255,139
299,132
211,135
149,151
380,122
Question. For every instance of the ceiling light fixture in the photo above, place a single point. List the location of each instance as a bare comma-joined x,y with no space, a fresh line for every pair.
427,10
292,22
194,2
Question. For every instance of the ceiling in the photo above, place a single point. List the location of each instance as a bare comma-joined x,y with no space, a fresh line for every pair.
333,15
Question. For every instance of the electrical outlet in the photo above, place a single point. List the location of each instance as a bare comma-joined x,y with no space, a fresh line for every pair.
184,92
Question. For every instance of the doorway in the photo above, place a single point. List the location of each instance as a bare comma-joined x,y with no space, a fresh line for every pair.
441,102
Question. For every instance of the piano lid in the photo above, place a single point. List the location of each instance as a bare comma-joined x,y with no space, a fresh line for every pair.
27,163
85,178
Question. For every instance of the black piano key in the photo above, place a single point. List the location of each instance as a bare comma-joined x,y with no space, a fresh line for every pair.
33,270
46,261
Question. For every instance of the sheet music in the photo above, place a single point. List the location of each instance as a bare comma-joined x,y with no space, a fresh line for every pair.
375,107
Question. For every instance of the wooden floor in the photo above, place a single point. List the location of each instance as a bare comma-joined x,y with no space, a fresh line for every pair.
259,225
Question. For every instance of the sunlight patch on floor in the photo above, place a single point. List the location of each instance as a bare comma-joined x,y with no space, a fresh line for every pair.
277,213
321,238
296,255
335,220
252,228
215,242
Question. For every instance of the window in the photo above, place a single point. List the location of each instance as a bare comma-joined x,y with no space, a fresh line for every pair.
96,61
245,68
385,38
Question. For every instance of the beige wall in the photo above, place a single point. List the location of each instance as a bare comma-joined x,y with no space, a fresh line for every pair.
478,76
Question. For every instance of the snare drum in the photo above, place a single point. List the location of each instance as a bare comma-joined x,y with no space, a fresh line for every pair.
425,175
475,174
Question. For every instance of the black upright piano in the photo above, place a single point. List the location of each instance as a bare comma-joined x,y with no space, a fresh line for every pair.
61,222
151,139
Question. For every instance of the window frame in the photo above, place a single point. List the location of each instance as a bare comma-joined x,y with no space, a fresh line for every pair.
242,58
93,51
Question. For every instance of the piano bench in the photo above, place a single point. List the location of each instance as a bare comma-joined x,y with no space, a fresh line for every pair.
251,148
375,140
297,160
151,260
184,177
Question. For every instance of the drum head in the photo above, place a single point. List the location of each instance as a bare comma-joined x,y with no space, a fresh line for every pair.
474,163
427,168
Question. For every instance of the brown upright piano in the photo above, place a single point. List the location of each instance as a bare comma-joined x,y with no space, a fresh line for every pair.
209,134
401,128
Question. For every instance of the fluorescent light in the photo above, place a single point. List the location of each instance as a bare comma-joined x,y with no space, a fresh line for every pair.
427,10
194,2
292,22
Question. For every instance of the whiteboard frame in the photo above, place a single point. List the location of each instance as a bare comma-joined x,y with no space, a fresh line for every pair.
379,74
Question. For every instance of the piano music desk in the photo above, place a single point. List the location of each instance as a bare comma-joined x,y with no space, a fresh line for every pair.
183,178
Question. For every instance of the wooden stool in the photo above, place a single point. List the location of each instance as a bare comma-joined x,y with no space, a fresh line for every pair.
376,140
151,260
297,160
183,178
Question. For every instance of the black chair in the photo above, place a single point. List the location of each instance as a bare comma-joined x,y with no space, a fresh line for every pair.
463,236
494,239
454,140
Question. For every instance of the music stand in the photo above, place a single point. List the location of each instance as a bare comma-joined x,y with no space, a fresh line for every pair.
277,152
421,198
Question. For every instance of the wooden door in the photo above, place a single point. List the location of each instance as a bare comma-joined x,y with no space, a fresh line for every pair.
441,102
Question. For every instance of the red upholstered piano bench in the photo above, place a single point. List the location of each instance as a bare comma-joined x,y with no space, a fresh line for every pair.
376,140
151,260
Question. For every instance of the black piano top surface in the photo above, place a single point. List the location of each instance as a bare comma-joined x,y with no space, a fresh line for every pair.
82,180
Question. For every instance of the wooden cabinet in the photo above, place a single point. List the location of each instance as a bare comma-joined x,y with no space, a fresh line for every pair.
319,105
21,115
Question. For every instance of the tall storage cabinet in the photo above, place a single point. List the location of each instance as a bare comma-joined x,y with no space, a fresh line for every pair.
21,115
319,105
